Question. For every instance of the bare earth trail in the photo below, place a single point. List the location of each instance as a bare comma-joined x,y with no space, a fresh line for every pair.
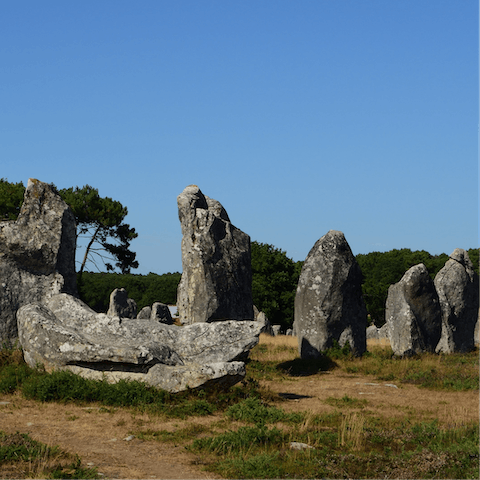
97,434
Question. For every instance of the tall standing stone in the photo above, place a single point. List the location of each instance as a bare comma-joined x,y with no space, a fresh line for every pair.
37,254
457,288
413,313
329,303
216,282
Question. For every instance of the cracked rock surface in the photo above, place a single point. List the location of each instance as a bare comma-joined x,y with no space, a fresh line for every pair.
64,333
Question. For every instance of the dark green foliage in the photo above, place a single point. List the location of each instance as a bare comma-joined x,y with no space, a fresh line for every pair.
95,288
11,199
100,219
12,376
19,447
380,270
274,283
473,253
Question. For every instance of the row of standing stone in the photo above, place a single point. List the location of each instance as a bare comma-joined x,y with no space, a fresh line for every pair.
422,315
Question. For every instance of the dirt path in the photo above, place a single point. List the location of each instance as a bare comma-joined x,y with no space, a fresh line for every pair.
97,434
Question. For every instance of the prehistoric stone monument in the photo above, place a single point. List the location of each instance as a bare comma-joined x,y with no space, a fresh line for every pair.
457,288
413,313
120,305
216,282
37,255
56,329
66,334
329,303
161,313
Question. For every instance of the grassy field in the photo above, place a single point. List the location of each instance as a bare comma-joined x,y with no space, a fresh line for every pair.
336,417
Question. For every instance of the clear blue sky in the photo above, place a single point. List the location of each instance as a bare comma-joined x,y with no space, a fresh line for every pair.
298,116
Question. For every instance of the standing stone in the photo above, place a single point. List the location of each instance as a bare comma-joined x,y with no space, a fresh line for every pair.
37,254
161,313
457,288
329,303
216,283
120,305
413,313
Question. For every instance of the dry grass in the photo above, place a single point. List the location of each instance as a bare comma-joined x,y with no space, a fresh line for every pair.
281,348
351,431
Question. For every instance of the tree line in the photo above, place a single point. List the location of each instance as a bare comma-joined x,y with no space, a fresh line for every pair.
274,275
274,281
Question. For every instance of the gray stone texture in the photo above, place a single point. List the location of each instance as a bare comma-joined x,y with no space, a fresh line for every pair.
413,313
329,303
457,288
216,282
37,254
120,305
161,313
373,332
145,313
64,333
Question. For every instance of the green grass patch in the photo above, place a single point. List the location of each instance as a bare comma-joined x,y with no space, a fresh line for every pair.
245,438
346,402
254,410
180,435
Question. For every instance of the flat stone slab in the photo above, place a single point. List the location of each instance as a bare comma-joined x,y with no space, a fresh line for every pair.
66,334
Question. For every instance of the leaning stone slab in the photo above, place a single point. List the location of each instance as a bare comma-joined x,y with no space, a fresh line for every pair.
329,304
413,313
37,254
457,288
66,334
216,282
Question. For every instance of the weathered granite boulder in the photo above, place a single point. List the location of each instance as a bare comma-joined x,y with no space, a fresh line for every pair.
329,303
37,254
276,330
120,305
161,313
457,288
261,317
216,282
373,332
64,333
145,313
413,313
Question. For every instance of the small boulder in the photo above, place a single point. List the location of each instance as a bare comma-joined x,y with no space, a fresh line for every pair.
161,313
120,305
372,333
145,313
